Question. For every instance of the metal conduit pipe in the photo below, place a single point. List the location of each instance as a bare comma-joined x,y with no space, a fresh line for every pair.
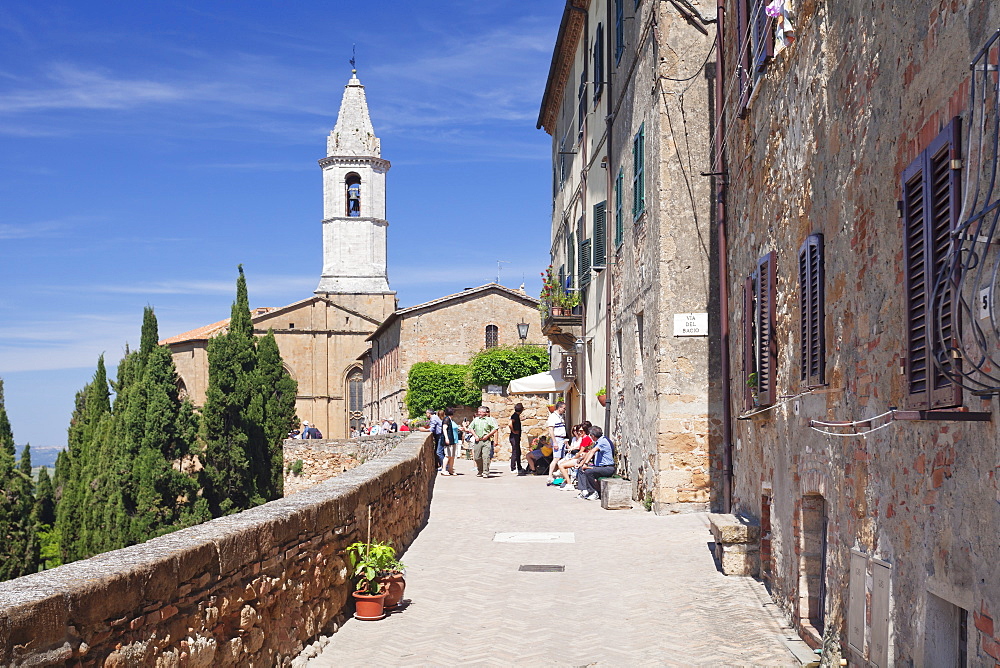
718,168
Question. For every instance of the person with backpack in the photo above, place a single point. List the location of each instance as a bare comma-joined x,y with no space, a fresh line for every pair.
450,442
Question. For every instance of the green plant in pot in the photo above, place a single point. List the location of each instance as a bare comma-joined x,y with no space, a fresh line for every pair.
752,384
368,563
393,581
602,396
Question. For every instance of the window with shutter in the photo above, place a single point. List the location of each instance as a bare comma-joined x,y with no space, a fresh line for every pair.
931,199
766,345
749,358
755,46
598,62
600,234
812,312
619,218
638,173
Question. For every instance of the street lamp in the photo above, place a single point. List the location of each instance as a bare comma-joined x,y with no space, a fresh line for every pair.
522,330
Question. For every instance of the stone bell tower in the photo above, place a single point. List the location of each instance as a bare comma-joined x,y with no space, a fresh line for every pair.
354,223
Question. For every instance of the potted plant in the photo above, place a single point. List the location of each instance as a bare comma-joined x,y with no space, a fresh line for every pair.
368,563
752,384
602,396
393,581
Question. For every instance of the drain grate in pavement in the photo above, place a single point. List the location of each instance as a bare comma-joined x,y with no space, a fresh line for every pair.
541,568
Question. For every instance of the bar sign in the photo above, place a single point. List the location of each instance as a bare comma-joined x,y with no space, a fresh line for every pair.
569,365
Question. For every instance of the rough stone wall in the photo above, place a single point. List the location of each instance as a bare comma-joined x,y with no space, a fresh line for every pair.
324,459
659,391
832,124
248,589
533,419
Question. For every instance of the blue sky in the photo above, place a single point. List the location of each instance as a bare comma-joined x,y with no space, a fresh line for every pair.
147,149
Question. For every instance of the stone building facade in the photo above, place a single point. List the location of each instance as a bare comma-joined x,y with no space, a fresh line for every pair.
847,149
631,234
449,330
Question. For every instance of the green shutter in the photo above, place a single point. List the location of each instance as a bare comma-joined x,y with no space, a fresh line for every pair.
600,234
638,173
585,255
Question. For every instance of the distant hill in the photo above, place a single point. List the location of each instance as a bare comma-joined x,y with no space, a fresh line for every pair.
42,455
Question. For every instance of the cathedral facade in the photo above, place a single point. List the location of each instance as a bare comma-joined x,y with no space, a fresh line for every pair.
325,339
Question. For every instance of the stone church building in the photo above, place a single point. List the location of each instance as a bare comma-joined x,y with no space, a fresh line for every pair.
324,338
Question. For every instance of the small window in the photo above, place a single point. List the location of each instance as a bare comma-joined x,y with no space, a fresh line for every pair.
353,184
755,46
638,173
582,102
812,354
492,336
291,325
569,284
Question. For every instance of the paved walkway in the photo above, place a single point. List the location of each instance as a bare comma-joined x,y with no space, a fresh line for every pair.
638,589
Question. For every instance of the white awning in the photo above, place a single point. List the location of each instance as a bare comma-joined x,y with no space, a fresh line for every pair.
540,383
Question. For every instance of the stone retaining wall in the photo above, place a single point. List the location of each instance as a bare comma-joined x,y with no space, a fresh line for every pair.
248,589
323,459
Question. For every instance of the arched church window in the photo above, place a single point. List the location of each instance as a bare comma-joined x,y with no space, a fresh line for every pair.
355,400
492,336
353,182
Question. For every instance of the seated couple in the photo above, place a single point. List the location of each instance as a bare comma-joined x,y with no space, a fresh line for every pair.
590,456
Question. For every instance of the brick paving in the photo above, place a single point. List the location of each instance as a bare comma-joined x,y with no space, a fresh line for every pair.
638,589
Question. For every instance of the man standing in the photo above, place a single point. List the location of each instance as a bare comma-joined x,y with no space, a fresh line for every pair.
557,435
603,457
438,434
483,429
515,440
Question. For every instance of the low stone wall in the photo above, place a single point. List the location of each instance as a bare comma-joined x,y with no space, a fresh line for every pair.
323,459
248,589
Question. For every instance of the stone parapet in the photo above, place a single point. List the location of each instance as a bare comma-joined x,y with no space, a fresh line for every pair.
247,589
323,459
737,544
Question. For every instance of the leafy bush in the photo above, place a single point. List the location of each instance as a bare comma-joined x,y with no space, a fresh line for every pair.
433,385
297,467
500,365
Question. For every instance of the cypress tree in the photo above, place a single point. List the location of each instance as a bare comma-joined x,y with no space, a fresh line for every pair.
277,389
75,466
228,479
19,549
45,503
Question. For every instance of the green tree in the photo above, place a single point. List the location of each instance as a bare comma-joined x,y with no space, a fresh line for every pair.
19,548
433,385
500,365
45,502
228,476
277,390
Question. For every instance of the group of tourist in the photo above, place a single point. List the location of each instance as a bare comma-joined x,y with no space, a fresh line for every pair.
576,460
375,428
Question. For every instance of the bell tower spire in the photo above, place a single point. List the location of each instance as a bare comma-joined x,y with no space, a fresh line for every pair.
354,222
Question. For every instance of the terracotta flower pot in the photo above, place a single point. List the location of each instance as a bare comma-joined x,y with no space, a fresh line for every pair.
393,585
369,607
603,398
552,408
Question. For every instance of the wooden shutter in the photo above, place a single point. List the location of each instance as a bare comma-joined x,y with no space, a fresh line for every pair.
766,345
585,259
598,61
749,359
812,306
763,38
742,59
942,218
931,200
638,172
601,234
